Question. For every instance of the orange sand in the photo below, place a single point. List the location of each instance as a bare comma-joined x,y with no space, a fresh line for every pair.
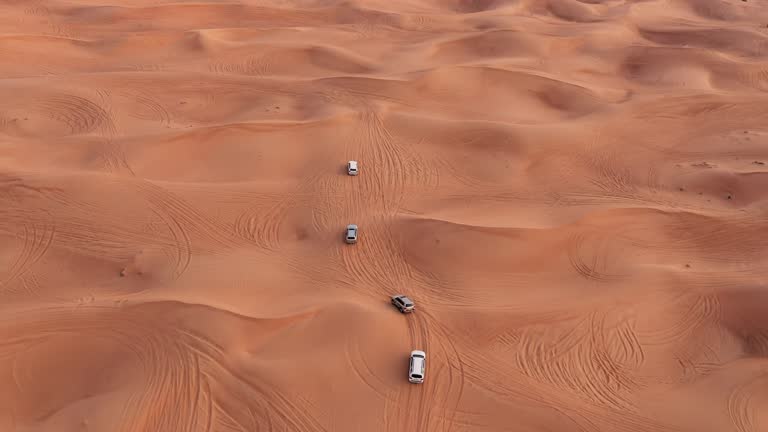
574,192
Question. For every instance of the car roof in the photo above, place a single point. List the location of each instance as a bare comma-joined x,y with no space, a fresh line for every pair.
418,363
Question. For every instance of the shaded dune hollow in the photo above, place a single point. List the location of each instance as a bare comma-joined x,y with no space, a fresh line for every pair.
573,193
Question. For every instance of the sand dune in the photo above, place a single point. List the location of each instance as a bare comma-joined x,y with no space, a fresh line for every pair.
574,192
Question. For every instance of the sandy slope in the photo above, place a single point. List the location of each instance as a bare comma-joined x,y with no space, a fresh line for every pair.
574,192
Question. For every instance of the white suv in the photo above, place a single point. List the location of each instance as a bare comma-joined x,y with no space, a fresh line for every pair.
417,366
352,168
351,236
403,303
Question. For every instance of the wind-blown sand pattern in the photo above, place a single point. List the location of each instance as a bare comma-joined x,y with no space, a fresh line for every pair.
575,194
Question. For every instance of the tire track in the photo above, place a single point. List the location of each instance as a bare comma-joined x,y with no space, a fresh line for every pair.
154,110
629,350
593,268
39,9
421,173
741,407
580,360
413,399
374,261
115,159
187,215
177,384
619,382
433,404
755,78
386,178
611,177
653,184
182,252
227,421
698,310
151,340
450,375
458,174
492,374
322,191
31,285
183,221
37,239
356,359
260,224
80,115
288,413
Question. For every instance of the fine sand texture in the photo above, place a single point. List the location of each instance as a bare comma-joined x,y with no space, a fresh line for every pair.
573,192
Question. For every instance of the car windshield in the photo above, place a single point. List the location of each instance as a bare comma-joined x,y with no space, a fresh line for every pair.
417,375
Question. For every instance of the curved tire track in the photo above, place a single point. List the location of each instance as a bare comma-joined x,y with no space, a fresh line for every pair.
412,407
168,397
374,260
287,412
184,221
81,115
741,408
115,159
590,266
260,224
37,240
432,405
698,310
451,374
385,180
154,110
580,360
357,360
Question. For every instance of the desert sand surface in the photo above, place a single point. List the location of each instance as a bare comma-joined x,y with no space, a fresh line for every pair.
574,193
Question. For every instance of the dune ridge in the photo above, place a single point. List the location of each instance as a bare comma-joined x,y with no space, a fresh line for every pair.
574,192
